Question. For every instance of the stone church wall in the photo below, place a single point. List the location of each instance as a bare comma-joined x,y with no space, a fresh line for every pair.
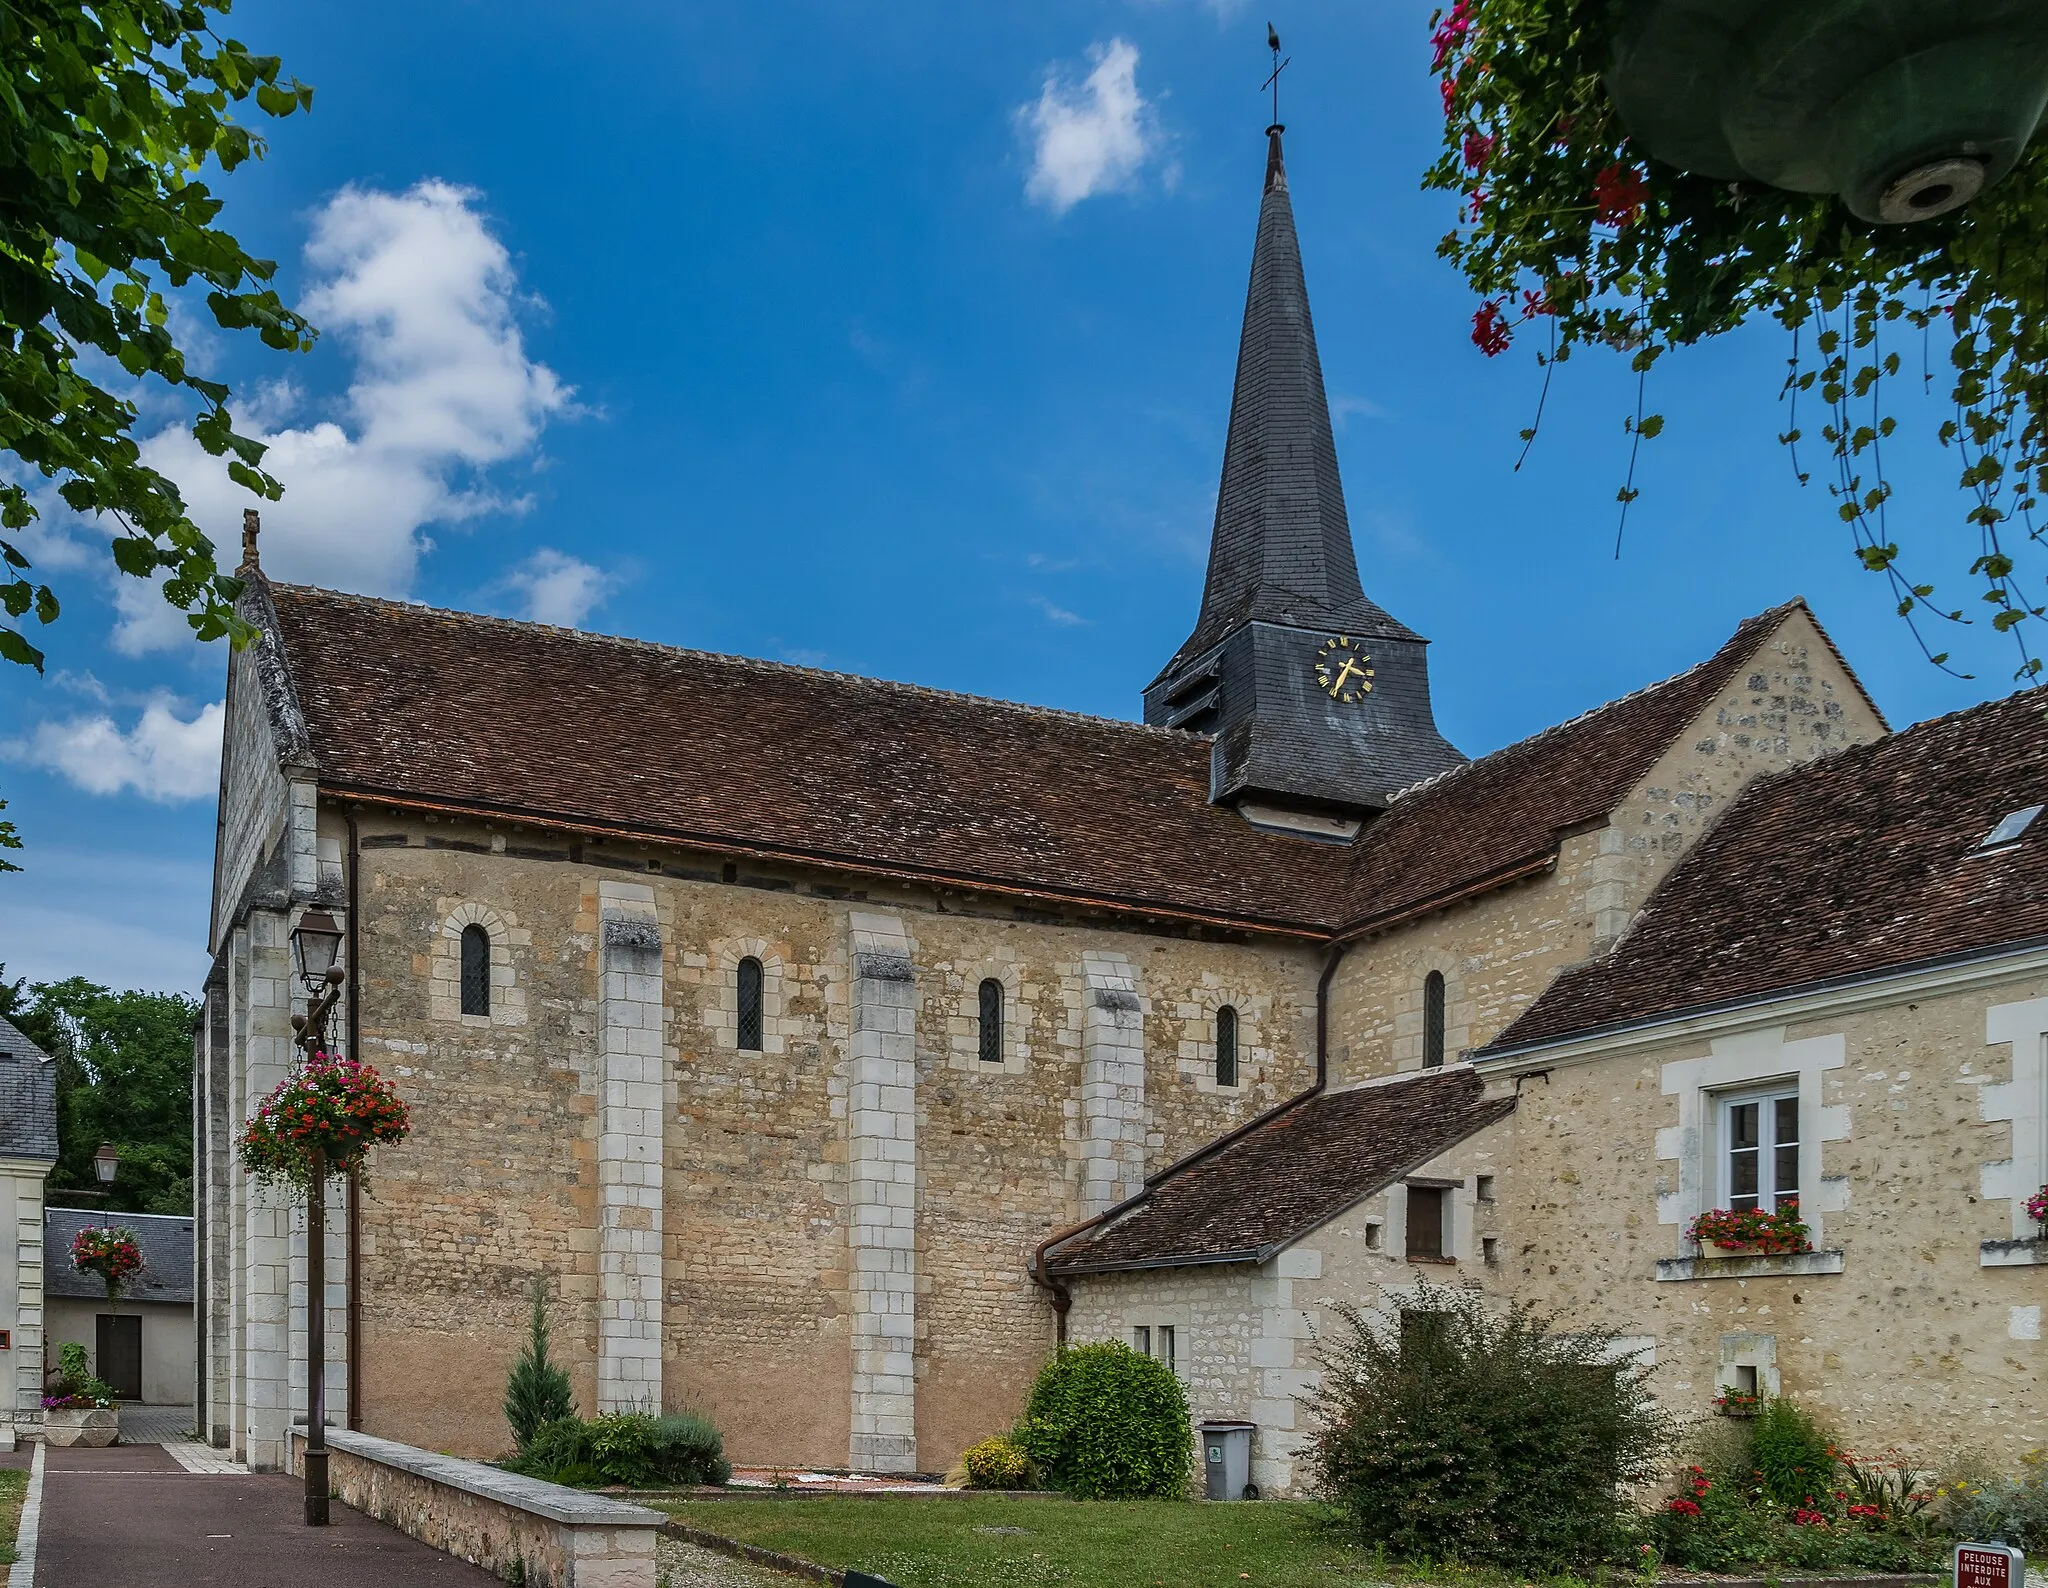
1920,1115
760,1308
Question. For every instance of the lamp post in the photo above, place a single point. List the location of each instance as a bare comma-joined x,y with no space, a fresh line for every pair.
316,944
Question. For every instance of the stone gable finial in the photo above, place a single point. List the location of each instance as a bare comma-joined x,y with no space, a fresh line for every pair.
252,526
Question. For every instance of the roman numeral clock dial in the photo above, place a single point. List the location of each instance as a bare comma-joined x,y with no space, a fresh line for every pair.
1342,671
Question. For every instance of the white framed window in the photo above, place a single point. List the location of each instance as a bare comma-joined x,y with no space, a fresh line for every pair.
1160,1341
1759,1148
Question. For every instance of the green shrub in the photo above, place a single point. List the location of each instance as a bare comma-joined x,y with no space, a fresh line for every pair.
2009,1509
1105,1423
689,1449
561,1452
1792,1457
1483,1437
622,1446
537,1392
998,1463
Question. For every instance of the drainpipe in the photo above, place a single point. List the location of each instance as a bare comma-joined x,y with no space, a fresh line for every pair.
352,1346
1062,1297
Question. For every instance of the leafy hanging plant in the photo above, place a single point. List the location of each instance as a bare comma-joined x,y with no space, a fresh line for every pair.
335,1108
1571,233
109,1251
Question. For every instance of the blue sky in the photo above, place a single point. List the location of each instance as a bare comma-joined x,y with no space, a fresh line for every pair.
897,340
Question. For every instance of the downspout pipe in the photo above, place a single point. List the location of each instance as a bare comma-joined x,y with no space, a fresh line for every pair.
352,1347
1062,1296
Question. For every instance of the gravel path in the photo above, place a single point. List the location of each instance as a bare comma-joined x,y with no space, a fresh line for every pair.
681,1565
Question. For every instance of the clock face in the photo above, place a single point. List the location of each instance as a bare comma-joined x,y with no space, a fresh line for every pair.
1343,670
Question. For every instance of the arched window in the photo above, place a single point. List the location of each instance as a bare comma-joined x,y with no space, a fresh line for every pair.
750,1004
991,1021
1433,1019
1226,1046
476,970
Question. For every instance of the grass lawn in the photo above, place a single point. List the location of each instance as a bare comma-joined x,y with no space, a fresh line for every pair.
1103,1544
13,1485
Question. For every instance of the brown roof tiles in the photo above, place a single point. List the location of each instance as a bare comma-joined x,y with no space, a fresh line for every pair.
1270,1186
1862,862
483,714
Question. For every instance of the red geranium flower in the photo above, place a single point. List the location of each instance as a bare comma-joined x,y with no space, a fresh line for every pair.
1619,193
1490,331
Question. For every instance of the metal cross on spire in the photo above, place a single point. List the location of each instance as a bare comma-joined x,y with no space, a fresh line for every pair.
1279,66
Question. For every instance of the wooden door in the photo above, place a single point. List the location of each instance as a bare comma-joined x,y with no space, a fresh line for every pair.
119,1359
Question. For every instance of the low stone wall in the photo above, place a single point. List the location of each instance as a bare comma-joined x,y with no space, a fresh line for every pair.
521,1529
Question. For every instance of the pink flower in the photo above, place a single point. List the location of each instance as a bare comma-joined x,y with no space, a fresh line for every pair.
1450,33
1478,149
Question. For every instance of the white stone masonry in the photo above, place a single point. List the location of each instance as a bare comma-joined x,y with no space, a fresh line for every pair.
629,1149
1112,1083
882,1196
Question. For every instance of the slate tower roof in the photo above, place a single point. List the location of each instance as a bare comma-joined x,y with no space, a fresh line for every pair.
1283,580
28,1097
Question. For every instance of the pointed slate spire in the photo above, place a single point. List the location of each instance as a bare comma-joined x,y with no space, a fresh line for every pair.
1281,549
1283,594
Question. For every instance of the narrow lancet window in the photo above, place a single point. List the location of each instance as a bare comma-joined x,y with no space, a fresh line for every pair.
1226,1046
750,1004
476,970
1433,1019
992,1021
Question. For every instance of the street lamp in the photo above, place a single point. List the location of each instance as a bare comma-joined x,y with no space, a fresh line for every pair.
316,945
106,1162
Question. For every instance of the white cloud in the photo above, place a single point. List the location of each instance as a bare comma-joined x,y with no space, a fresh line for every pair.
1056,614
423,297
557,588
1088,137
164,757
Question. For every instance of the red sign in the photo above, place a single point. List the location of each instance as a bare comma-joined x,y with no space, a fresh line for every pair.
1986,1566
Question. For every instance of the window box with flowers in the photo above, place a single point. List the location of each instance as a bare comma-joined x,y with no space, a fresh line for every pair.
2026,1250
1738,1403
1750,1243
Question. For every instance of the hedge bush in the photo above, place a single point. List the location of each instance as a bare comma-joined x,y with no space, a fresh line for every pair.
1792,1457
2013,1508
1481,1437
637,1449
998,1463
1104,1423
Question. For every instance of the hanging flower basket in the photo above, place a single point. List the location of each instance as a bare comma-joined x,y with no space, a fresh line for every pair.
331,1110
1646,175
111,1252
1753,1230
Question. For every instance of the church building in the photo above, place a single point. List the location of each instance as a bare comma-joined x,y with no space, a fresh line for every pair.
832,1047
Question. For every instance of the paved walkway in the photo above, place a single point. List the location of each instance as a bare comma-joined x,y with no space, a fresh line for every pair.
154,1425
133,1516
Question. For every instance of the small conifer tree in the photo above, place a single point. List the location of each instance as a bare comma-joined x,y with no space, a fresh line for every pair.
538,1392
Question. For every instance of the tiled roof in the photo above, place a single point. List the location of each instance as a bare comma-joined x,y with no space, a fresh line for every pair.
788,761
492,716
166,1242
1865,861
1279,1180
1509,809
28,1097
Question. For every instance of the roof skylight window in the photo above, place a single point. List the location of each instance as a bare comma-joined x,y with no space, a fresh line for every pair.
2010,830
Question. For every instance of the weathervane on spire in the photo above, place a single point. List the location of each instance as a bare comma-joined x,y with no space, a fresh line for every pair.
1279,66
